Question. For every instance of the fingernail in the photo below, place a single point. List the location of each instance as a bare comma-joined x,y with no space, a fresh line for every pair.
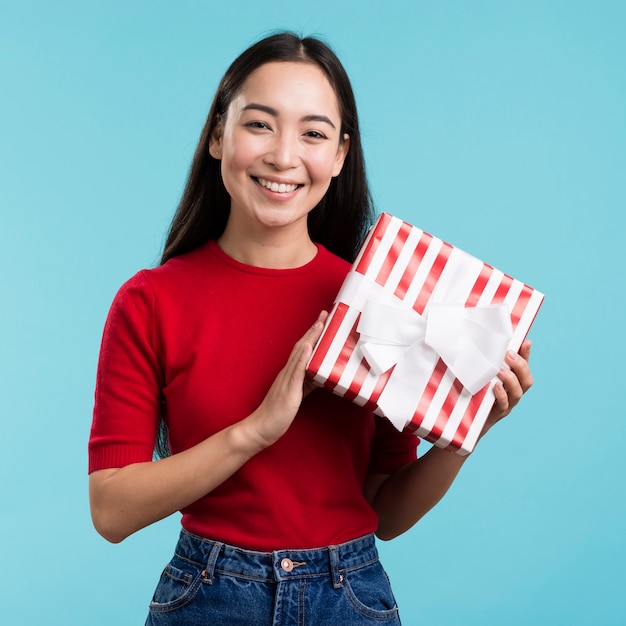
512,355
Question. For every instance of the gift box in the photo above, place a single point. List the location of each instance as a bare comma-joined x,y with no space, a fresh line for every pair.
419,331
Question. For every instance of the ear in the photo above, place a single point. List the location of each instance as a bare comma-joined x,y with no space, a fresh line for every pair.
342,152
215,142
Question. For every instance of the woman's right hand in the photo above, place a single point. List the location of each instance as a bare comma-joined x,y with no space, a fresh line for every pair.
281,403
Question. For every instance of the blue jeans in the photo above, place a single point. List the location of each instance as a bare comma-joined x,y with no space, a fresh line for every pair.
212,583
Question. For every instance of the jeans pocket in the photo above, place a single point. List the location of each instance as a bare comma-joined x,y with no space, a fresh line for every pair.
368,590
176,588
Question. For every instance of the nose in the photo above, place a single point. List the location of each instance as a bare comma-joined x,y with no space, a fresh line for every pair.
284,153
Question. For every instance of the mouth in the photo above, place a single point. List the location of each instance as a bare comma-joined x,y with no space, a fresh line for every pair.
277,187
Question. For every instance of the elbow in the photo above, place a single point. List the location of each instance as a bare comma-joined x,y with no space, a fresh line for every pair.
106,514
390,527
107,528
387,534
387,529
111,537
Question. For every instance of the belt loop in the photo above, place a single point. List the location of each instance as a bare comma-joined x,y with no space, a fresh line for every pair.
210,564
335,575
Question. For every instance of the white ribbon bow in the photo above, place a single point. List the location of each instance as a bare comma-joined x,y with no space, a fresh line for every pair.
471,341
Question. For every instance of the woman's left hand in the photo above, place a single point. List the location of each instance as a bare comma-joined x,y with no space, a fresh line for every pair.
513,384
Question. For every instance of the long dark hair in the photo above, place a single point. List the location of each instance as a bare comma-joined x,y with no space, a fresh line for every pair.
341,219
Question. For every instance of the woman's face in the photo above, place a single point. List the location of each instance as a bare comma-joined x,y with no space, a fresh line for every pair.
280,145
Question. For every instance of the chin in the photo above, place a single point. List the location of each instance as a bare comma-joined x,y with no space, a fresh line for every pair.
277,218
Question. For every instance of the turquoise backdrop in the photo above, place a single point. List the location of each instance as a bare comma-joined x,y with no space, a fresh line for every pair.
499,126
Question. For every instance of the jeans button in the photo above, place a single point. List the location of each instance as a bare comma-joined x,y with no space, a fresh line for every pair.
287,565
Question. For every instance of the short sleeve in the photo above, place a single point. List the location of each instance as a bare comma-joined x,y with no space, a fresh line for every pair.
128,382
391,449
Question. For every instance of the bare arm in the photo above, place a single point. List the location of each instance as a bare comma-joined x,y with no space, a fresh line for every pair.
127,499
403,498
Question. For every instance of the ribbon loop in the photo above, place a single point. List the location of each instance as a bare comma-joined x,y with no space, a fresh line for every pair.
471,341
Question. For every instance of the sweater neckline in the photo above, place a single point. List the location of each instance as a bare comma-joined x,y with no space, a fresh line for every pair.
214,249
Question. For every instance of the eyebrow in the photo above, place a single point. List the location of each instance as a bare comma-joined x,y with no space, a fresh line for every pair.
274,113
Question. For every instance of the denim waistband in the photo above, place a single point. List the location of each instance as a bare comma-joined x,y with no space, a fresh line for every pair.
277,566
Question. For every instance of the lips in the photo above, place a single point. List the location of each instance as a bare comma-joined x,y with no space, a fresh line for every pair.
277,187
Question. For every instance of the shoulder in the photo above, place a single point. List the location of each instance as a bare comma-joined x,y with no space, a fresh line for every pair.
178,271
164,286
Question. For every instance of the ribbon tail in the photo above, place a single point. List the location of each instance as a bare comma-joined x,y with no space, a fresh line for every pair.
406,384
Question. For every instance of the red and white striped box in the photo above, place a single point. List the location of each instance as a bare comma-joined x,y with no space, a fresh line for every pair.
415,317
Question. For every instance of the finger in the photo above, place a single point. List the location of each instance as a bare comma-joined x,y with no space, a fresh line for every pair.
502,398
524,351
295,367
311,337
512,385
317,328
519,365
313,333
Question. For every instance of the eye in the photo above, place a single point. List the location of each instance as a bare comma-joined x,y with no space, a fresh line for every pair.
315,134
256,125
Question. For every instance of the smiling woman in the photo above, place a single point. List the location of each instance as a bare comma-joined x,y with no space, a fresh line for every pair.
205,206
281,486
280,146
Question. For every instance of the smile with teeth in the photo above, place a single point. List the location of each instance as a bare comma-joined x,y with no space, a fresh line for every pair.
276,187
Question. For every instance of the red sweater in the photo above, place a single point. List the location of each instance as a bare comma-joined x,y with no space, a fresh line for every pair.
200,340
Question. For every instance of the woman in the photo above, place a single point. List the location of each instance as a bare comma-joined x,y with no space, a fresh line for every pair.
281,487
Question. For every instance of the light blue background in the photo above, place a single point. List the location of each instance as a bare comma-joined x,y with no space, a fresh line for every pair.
499,126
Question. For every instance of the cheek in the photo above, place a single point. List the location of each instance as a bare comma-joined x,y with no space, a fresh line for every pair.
234,168
236,160
322,169
237,152
232,175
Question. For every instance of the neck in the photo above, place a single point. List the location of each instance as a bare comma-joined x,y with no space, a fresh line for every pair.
277,249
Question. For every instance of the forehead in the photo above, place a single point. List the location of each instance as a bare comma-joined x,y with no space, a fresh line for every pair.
289,85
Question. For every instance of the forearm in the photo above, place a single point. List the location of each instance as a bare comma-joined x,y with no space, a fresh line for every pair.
408,494
127,499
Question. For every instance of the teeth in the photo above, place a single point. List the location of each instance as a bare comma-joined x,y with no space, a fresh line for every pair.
276,187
